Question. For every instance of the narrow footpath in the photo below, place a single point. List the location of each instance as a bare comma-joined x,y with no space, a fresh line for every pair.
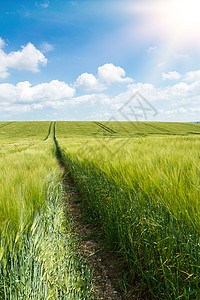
108,266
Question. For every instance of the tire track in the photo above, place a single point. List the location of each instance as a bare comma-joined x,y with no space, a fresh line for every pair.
4,125
49,131
106,128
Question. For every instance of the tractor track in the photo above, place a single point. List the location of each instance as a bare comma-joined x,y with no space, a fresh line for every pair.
106,128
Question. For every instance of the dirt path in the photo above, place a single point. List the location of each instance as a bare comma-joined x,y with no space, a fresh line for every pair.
107,272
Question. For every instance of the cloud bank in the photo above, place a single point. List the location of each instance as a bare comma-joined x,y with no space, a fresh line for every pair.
180,98
25,96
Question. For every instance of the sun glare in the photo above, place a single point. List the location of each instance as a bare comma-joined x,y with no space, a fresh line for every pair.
173,21
184,13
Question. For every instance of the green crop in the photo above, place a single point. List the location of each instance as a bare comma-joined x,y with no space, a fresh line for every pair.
145,193
140,181
38,245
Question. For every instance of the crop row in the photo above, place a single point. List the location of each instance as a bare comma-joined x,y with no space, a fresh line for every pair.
38,245
146,198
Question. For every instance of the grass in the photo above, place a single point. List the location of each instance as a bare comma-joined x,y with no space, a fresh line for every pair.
23,177
38,245
124,129
42,261
14,131
140,181
145,193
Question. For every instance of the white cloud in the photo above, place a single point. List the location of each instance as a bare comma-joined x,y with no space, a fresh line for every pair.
110,73
192,76
88,82
46,47
2,43
107,74
181,93
172,100
45,4
181,56
152,49
92,99
178,102
171,76
74,3
24,95
27,59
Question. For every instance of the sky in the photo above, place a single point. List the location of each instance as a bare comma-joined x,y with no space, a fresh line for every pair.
100,60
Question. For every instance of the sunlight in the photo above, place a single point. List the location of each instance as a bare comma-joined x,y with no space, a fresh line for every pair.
184,14
174,22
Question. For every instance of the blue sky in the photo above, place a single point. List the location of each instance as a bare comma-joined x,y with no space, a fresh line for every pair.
84,60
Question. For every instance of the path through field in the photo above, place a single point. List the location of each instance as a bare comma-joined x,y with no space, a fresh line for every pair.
81,219
107,265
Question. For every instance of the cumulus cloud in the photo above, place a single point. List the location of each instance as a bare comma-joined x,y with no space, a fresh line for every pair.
173,99
171,76
88,82
107,74
92,99
192,76
176,102
110,73
180,93
28,58
170,101
25,96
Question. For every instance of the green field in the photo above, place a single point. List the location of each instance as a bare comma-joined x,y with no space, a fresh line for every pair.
124,129
139,181
38,256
